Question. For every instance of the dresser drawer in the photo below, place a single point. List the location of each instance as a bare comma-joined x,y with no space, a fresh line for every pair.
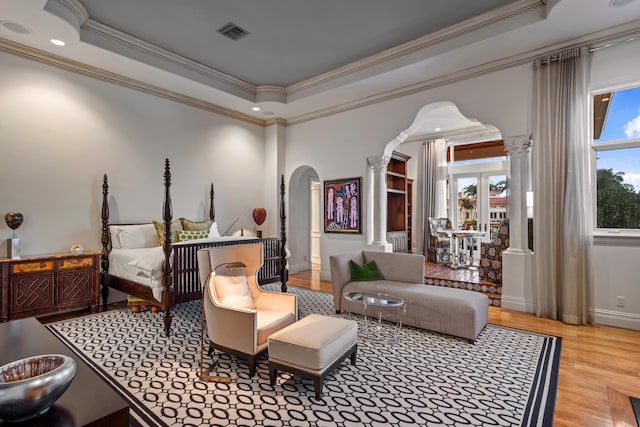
32,267
75,263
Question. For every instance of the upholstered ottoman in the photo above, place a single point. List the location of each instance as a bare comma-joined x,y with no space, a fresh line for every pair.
312,347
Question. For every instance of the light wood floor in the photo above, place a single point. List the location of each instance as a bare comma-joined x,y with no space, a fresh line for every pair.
599,365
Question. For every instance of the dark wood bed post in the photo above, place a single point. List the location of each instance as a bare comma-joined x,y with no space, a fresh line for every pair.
167,216
104,258
284,273
212,208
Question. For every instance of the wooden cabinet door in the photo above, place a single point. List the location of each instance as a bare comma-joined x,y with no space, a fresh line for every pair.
31,292
74,287
74,281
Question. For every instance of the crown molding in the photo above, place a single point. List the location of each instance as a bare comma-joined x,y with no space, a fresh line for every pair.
98,33
275,121
107,37
72,11
110,77
94,31
595,40
472,24
268,93
601,38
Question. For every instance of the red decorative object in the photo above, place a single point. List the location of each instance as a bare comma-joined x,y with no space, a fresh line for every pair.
259,215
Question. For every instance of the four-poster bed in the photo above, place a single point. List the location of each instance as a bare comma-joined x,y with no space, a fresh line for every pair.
175,279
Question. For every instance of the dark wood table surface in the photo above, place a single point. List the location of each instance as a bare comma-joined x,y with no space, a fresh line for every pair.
89,401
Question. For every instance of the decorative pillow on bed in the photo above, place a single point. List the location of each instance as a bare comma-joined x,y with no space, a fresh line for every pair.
232,289
365,272
195,226
176,225
185,235
213,231
137,236
114,231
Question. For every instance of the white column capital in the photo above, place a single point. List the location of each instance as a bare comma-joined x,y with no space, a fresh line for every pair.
378,162
517,146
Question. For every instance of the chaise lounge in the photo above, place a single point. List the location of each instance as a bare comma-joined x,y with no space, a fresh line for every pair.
449,311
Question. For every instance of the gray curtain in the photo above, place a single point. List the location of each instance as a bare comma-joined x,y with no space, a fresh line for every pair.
563,211
433,159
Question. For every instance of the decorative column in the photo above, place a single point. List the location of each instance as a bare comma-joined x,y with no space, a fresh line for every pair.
518,148
379,166
517,260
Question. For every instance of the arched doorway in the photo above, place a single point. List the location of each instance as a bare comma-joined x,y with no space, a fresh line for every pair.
441,122
304,219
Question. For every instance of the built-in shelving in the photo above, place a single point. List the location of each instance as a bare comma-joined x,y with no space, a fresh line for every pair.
398,215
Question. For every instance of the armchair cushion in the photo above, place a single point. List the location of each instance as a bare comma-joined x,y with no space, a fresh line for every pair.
369,271
269,321
233,289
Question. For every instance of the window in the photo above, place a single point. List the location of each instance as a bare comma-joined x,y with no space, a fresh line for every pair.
617,148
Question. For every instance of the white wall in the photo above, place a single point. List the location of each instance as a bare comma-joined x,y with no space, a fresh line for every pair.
337,146
60,132
616,267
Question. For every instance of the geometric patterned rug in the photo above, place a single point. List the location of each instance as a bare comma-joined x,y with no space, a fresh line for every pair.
507,378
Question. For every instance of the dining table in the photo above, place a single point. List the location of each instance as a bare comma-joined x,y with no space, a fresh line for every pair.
459,242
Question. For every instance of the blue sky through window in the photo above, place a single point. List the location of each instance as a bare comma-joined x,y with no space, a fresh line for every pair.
622,122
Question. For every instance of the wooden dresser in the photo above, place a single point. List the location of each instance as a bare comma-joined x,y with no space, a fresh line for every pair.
37,285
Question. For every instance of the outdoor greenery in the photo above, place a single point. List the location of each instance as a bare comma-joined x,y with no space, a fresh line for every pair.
618,203
471,190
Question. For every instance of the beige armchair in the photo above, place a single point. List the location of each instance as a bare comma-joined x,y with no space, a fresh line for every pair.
241,326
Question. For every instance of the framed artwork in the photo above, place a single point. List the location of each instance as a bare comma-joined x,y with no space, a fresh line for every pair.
343,206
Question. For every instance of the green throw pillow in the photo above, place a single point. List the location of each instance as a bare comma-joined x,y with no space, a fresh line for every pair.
362,272
184,235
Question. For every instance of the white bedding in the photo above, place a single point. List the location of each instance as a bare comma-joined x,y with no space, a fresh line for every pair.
141,265
144,265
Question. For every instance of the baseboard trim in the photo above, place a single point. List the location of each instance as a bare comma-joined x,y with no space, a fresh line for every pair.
618,319
517,304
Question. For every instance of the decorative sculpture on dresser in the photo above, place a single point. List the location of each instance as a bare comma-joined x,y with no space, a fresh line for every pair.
259,215
13,220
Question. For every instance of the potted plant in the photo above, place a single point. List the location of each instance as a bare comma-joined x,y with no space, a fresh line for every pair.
472,224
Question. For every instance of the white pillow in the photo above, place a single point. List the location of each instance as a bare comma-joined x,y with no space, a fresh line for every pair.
114,231
213,231
138,236
233,289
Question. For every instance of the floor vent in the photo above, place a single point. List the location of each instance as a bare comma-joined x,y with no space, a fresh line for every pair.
232,31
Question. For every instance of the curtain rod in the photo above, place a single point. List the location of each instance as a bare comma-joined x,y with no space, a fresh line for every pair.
591,49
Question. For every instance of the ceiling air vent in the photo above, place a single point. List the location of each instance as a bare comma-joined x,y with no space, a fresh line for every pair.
232,31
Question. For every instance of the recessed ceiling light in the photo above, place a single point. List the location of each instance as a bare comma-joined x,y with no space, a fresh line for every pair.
268,113
436,129
57,42
16,27
256,108
618,3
